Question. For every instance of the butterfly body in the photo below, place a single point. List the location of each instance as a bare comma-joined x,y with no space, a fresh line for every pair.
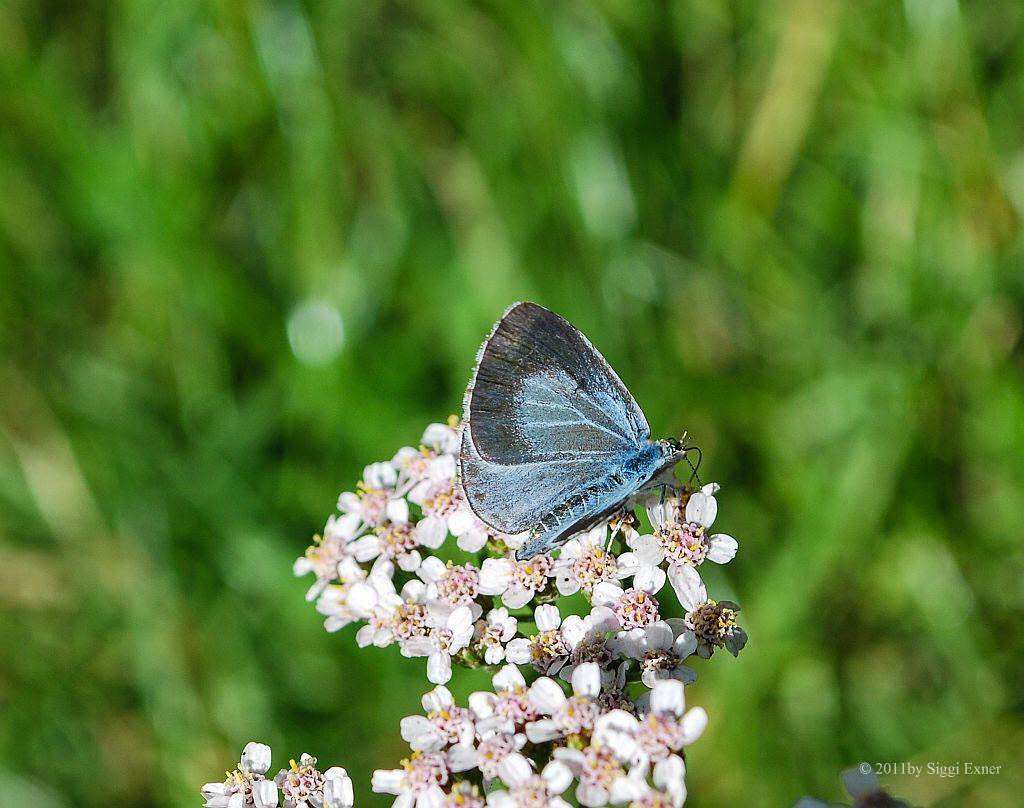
552,441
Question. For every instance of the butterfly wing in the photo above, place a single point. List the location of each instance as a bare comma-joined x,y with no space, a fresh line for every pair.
545,419
541,391
516,497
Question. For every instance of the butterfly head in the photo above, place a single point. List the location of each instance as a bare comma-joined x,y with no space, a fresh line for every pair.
676,450
672,447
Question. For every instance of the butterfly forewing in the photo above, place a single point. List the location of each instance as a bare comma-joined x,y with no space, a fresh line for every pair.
541,391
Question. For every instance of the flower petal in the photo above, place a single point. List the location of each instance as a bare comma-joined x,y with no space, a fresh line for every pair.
586,680
606,593
255,758
420,734
722,548
650,579
693,724
514,769
516,596
387,781
398,510
546,695
509,677
658,637
431,532
688,586
667,697
546,729
264,794
547,617
439,698
439,667
495,574
518,651
558,776
702,509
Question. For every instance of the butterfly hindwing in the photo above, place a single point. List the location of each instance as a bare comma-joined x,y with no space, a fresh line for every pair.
578,513
516,497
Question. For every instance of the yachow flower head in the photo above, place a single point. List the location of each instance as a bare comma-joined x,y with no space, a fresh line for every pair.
417,782
444,724
681,530
407,562
449,631
565,717
663,727
526,788
713,624
585,561
546,650
661,649
517,582
493,634
301,785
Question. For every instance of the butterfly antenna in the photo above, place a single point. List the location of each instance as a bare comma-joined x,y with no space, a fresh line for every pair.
693,468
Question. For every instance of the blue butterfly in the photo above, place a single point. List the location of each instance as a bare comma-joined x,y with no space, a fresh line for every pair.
552,441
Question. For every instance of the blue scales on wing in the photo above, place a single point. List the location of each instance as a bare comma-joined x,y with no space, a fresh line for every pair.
542,391
547,430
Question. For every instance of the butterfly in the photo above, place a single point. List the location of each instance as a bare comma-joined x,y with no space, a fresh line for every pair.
552,441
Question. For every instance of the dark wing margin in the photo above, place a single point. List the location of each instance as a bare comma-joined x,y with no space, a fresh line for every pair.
541,391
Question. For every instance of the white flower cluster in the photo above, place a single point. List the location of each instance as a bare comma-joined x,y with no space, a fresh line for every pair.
384,563
610,749
378,564
301,785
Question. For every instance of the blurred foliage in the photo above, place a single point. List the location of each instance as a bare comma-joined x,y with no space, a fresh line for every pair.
246,248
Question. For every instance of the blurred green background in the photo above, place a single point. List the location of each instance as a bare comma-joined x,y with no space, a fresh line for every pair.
246,248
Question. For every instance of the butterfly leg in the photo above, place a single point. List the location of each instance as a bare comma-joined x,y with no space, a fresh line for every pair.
617,521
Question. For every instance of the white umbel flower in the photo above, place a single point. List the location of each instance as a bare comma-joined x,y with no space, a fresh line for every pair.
246,786
669,790
712,622
507,709
450,632
598,770
666,726
455,585
661,649
329,557
546,649
586,639
525,788
445,724
516,581
633,607
396,538
302,785
584,562
565,717
494,633
368,506
684,538
418,783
